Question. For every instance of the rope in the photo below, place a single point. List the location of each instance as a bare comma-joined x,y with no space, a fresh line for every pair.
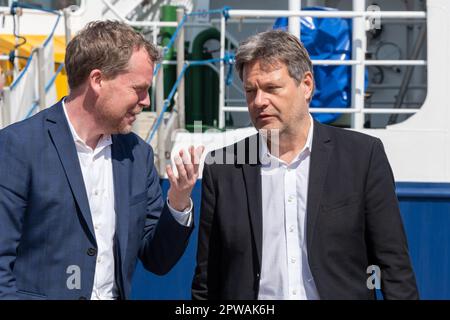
17,4
50,36
166,49
21,74
24,70
47,89
227,59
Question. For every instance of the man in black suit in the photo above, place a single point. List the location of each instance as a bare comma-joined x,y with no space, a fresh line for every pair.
303,210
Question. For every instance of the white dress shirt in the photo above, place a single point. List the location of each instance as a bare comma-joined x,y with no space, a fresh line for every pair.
285,272
96,168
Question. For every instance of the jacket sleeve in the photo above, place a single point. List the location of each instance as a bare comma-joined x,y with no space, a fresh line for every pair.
14,180
205,284
164,239
386,240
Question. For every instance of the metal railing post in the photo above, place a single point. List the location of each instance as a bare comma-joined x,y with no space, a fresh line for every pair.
294,22
67,29
41,77
159,96
6,107
358,53
222,74
180,64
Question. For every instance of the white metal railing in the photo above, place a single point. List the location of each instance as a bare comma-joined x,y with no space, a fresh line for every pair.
138,23
155,25
326,14
338,110
32,91
369,62
358,62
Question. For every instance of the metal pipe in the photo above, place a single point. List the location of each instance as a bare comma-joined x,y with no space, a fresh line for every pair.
180,65
371,62
270,21
390,111
138,23
294,21
395,62
67,27
6,107
338,110
246,20
155,35
222,74
6,11
359,43
41,77
361,13
159,97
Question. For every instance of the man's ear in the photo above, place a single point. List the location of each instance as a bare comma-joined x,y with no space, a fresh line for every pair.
95,80
308,85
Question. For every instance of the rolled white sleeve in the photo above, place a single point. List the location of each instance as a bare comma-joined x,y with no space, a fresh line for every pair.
183,217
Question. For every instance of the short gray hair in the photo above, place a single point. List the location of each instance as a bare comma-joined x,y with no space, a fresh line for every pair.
272,47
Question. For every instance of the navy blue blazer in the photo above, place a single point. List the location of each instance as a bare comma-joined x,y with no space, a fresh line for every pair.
46,229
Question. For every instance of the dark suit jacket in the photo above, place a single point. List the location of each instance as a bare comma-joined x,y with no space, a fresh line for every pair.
45,220
353,221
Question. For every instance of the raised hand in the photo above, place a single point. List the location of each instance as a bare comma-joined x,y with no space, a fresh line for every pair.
181,185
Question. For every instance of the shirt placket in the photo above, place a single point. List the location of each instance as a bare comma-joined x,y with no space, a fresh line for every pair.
293,254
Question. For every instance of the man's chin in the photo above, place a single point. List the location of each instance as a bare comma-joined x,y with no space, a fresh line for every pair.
122,129
268,127
125,130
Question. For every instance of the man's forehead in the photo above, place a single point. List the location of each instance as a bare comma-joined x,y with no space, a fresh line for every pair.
265,66
262,67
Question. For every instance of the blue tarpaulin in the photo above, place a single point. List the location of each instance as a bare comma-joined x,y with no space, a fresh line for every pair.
327,39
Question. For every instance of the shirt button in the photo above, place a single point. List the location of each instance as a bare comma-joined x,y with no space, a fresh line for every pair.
290,198
96,192
99,260
292,260
291,229
294,292
91,252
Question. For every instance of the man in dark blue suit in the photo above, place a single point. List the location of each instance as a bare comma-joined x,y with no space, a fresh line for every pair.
80,199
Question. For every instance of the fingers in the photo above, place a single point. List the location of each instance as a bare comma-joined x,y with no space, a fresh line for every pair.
171,176
181,168
195,156
198,152
192,154
188,166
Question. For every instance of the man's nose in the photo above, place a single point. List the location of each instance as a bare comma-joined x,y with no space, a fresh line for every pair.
260,99
145,103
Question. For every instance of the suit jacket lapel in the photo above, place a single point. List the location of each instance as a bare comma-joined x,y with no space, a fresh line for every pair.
320,157
252,180
62,138
121,196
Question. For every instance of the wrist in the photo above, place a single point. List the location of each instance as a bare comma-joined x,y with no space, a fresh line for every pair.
180,203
